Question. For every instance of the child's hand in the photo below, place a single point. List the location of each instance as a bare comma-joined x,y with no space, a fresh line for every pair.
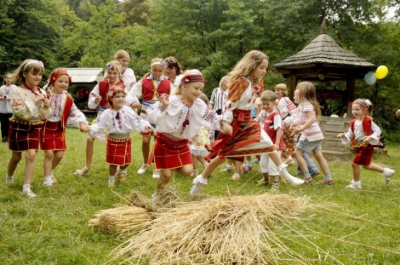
367,139
149,128
97,99
340,135
84,127
135,105
226,128
276,146
164,101
38,98
46,103
296,130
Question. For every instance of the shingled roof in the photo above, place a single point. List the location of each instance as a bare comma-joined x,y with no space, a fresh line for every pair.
324,50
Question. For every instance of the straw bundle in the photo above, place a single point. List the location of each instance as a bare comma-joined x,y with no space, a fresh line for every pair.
217,231
167,199
122,220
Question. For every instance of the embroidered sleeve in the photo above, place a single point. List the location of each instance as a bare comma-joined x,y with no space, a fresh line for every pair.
236,89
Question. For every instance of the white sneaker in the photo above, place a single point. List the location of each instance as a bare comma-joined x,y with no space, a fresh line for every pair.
48,184
156,174
196,186
388,174
142,169
9,180
354,185
29,193
289,178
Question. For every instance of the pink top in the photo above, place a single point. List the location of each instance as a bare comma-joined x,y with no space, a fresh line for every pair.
312,133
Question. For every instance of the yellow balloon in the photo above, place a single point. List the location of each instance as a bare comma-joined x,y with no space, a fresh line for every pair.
381,72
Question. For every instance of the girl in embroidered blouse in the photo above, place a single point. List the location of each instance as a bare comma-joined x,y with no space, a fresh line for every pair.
127,74
30,107
247,137
120,120
363,134
305,122
149,89
53,140
178,119
98,100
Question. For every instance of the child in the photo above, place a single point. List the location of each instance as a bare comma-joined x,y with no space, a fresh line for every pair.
305,122
30,107
247,137
119,120
217,100
6,111
149,89
127,74
53,138
179,118
272,124
98,98
363,134
286,108
199,144
173,70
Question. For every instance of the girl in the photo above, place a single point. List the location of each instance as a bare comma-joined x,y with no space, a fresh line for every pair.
173,70
30,107
305,122
199,144
127,74
98,99
363,134
5,106
119,120
247,137
149,89
179,118
286,108
53,139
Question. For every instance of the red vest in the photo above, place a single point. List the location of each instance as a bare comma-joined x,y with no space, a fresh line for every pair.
104,87
366,124
148,89
67,109
269,128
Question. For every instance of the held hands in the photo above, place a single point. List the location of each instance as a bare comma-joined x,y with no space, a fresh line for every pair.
97,99
46,103
367,139
135,105
340,135
296,130
164,101
149,128
226,128
84,127
38,98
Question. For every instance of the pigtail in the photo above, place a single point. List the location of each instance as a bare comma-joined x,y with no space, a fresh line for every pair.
370,106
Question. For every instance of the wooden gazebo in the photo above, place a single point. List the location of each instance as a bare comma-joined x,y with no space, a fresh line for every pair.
324,61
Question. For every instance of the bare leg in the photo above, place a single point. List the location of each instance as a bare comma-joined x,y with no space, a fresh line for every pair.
13,163
29,165
58,156
165,176
356,172
145,148
89,151
321,161
48,162
212,165
374,167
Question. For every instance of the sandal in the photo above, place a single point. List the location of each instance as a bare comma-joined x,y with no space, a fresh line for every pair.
82,172
308,181
325,182
122,175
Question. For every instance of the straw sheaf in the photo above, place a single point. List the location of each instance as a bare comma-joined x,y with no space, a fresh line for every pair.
168,198
324,50
217,231
124,220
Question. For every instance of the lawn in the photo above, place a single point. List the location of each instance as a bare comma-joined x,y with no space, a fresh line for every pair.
351,227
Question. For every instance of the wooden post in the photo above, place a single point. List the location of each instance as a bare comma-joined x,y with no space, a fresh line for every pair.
350,85
292,85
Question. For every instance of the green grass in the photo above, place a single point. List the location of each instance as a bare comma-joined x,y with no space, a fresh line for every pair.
363,227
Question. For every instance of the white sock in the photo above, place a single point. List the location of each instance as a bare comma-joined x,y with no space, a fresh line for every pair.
201,179
111,179
236,175
26,187
48,179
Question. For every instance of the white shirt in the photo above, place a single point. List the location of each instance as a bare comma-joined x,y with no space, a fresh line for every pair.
24,107
5,98
359,133
171,120
76,117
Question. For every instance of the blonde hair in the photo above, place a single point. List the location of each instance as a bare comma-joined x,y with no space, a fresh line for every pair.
247,64
26,67
178,91
268,95
365,104
157,61
283,88
224,81
121,54
114,66
307,92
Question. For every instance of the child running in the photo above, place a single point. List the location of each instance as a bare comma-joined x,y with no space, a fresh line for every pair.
53,140
120,121
305,122
363,135
30,107
272,124
247,137
178,119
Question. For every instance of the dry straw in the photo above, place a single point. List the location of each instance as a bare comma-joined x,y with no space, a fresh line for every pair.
217,231
124,220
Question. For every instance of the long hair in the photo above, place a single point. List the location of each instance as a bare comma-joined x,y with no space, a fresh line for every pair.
115,66
172,62
247,64
307,92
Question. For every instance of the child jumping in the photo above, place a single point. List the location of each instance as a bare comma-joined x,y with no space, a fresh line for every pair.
363,134
53,140
120,121
30,107
272,124
305,122
247,138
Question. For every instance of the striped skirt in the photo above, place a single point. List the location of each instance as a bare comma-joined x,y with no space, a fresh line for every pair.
53,137
118,150
24,135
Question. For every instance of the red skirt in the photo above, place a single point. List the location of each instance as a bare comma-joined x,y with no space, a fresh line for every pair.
24,135
169,153
118,151
363,155
53,137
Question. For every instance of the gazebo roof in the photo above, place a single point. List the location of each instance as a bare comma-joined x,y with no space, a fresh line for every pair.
323,50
